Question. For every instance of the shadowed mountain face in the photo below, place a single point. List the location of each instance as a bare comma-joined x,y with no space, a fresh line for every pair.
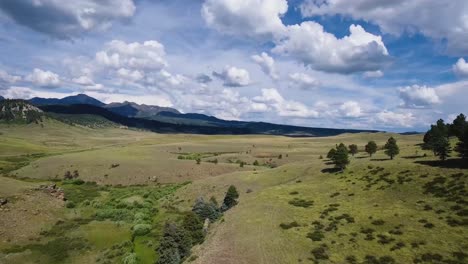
69,100
182,123
130,109
141,123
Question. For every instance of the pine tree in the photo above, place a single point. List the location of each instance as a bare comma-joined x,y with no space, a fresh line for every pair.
168,249
458,126
391,148
371,148
341,157
437,139
462,145
206,210
193,225
331,154
230,200
442,148
353,149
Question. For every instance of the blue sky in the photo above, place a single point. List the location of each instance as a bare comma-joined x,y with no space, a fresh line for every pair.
336,63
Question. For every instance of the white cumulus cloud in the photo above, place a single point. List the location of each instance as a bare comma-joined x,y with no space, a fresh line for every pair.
461,68
285,108
68,19
267,64
394,119
311,45
44,78
350,109
233,76
416,96
5,77
245,17
147,55
303,81
399,16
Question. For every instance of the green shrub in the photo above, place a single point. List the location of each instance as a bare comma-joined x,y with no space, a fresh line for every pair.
141,229
378,222
320,253
130,258
301,203
70,204
289,225
315,235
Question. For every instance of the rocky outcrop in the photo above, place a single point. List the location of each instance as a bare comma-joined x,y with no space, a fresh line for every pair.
53,190
19,110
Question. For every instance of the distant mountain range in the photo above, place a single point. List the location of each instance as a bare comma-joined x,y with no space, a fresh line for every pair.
169,120
130,109
69,100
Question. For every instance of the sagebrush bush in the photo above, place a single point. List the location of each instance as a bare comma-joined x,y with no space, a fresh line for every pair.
141,229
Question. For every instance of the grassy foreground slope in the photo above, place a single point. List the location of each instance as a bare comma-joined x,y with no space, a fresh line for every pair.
377,211
291,209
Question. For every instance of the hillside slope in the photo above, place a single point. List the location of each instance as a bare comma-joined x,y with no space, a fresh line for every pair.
19,111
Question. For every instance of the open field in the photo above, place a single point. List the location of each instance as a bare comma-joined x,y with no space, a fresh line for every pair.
291,208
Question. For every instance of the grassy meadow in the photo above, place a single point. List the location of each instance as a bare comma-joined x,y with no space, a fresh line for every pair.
292,207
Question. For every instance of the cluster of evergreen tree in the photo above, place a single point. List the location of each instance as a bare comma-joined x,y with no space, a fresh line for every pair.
437,138
175,245
340,154
177,240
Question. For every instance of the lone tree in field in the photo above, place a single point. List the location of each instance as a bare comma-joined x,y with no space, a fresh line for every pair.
341,157
353,149
391,148
331,153
230,200
371,148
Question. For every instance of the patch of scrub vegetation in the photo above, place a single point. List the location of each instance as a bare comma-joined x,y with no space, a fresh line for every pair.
178,239
301,203
55,250
289,225
9,164
78,192
198,156
111,209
